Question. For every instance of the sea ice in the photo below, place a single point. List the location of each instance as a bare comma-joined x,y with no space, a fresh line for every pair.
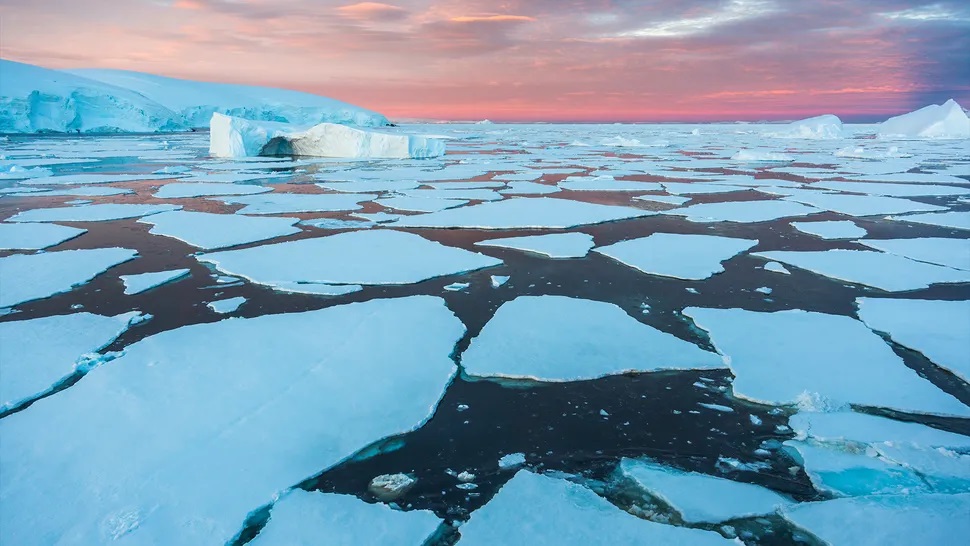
181,190
71,179
35,236
281,203
859,205
83,191
692,257
933,121
529,188
207,230
511,460
91,213
419,204
776,267
845,427
950,252
499,280
762,156
226,306
690,188
836,229
557,338
26,277
952,219
524,213
370,185
556,245
194,428
472,194
893,189
667,199
854,472
911,178
742,211
606,183
136,284
819,127
852,366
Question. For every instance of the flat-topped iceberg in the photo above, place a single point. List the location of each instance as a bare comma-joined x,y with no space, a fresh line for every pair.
818,127
933,121
237,137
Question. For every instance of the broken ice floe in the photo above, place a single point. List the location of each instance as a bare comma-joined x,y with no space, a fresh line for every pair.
556,245
529,188
933,121
859,205
369,185
776,267
691,188
742,211
92,179
606,183
35,236
952,219
207,230
181,190
226,306
692,257
556,338
26,277
470,195
419,204
666,199
836,229
281,203
522,213
91,213
893,189
762,156
136,284
950,252
83,191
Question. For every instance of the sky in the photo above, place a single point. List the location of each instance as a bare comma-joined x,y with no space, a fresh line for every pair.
530,60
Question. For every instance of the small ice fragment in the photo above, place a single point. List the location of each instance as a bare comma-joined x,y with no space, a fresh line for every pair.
136,284
717,407
511,460
467,486
499,280
388,487
604,413
457,286
776,267
466,477
226,306
764,290
462,407
755,420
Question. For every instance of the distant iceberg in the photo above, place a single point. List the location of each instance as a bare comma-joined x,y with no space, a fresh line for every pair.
819,127
933,121
237,137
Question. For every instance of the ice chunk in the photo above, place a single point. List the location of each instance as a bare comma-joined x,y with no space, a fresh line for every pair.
884,271
302,518
885,520
194,428
556,245
700,498
543,511
238,137
762,156
226,306
819,127
953,253
35,236
667,199
91,213
40,353
457,286
776,267
136,284
499,280
181,190
524,212
557,338
207,230
859,205
742,211
933,121
938,329
893,189
952,219
606,183
511,460
420,204
857,472
26,277
355,257
281,203
853,366
388,487
692,257
836,229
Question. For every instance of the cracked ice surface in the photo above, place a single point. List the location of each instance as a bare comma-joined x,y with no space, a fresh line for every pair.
853,366
692,257
556,245
207,230
35,236
532,212
556,338
540,510
194,428
26,277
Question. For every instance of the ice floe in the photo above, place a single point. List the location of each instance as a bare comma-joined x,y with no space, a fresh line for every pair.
557,338
83,191
859,205
35,236
71,179
556,245
181,190
606,183
911,178
281,203
950,252
529,188
742,211
136,284
690,188
470,194
419,204
692,257
524,212
893,189
226,306
667,199
933,121
952,219
835,229
369,185
91,213
207,230
762,156
26,277
776,267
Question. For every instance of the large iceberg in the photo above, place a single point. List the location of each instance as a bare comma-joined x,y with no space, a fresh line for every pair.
933,121
237,137
818,127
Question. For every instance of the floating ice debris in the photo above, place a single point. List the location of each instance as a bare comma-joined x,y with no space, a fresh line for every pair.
742,211
316,288
302,518
40,353
885,520
761,156
933,121
465,477
952,219
136,284
16,172
606,183
877,269
180,190
281,203
556,338
512,460
667,199
35,236
543,511
836,229
90,213
207,230
529,188
819,128
693,257
795,365
700,498
355,257
940,330
776,267
763,290
72,179
859,205
457,286
210,421
369,185
893,189
26,277
419,204
238,137
524,212
472,194
556,245
861,152
950,252
499,280
173,169
690,188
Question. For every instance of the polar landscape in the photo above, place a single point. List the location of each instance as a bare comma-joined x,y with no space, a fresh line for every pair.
243,315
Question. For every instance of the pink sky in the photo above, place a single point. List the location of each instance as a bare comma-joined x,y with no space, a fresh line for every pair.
583,60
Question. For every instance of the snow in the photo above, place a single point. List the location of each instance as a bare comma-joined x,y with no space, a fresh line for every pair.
742,211
207,230
853,366
692,257
859,205
893,189
836,229
26,277
953,219
192,429
556,245
226,306
776,267
35,236
523,213
885,520
181,190
933,121
544,511
302,518
40,353
884,271
356,257
419,204
281,203
953,253
700,498
606,183
91,213
238,137
940,330
762,156
136,284
819,128
557,338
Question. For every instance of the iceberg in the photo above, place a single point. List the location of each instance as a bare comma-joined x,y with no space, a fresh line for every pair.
933,121
818,127
237,137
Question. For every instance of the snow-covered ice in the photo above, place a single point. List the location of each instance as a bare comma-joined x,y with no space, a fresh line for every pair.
819,127
952,219
523,213
934,121
834,229
181,190
692,257
555,245
35,236
26,277
91,213
557,338
742,211
282,203
136,284
950,252
207,230
226,306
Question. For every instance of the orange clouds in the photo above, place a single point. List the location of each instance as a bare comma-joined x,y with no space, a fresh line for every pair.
372,10
491,19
